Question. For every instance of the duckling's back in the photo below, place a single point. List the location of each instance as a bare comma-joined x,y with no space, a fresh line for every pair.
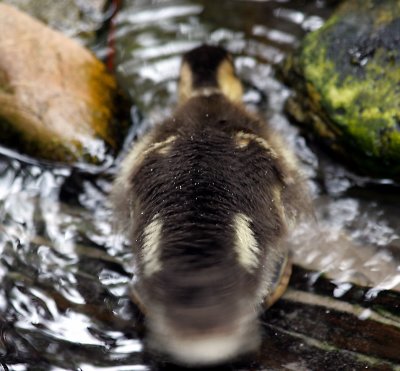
207,198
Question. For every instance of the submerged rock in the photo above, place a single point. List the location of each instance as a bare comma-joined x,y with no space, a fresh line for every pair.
56,98
347,81
78,19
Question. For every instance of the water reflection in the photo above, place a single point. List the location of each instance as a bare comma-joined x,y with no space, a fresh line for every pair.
64,271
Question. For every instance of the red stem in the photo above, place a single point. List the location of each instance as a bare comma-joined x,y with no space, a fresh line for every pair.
111,37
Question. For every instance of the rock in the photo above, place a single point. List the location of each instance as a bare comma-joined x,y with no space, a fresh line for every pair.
56,98
347,81
77,19
320,329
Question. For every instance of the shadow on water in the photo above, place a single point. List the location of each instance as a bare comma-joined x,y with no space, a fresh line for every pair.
64,302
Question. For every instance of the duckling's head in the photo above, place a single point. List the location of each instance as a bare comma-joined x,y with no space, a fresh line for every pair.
198,318
207,70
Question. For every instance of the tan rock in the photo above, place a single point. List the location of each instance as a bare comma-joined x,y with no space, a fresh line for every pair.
56,98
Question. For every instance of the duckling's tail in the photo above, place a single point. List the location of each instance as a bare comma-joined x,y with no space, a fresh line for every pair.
207,70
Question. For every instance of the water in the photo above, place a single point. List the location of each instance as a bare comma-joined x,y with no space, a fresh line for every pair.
64,303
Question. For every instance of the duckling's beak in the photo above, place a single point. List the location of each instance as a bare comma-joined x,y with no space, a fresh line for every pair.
208,70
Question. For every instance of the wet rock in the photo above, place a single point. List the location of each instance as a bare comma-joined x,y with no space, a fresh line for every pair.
347,76
78,19
56,99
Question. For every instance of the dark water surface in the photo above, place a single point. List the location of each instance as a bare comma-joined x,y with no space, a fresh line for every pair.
64,303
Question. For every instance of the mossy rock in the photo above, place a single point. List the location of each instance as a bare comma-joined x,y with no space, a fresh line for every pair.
346,77
57,101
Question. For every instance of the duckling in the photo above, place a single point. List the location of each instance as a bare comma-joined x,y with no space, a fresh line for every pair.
208,198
